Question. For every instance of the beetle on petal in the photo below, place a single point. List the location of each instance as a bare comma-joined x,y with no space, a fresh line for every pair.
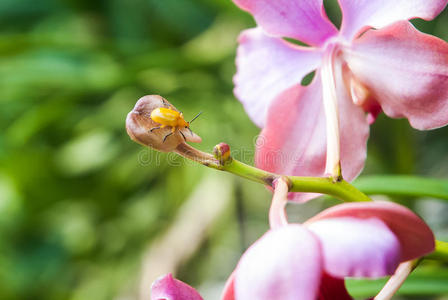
141,127
171,117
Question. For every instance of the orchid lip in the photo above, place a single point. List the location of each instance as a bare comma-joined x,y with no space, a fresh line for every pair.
358,92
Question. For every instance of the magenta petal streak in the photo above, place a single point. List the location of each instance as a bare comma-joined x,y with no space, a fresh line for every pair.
169,288
228,292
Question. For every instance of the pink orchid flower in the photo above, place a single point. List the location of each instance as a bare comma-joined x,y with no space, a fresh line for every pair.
376,62
310,261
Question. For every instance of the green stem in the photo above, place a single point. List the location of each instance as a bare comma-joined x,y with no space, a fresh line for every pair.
339,189
241,169
222,160
440,253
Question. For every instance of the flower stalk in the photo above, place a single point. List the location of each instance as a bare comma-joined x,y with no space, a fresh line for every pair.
339,189
333,163
277,212
396,281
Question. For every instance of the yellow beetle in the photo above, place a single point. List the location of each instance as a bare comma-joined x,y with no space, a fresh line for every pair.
170,117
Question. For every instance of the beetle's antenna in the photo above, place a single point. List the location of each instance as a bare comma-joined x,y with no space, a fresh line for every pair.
195,117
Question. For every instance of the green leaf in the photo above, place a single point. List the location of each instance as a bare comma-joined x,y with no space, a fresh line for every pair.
403,186
424,281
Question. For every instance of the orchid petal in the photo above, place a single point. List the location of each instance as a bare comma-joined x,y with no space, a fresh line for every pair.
416,238
361,14
169,288
304,20
407,72
357,248
293,141
283,264
266,67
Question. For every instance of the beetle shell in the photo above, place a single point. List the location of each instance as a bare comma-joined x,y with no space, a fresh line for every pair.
168,117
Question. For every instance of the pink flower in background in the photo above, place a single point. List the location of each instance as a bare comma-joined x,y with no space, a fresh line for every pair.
360,71
310,261
169,288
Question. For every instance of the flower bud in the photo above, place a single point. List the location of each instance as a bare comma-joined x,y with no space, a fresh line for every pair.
222,153
139,125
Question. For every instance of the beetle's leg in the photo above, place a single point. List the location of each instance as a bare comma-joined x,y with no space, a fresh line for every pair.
166,136
183,135
191,132
158,127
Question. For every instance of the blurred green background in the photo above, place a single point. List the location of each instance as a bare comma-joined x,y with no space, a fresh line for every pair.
81,205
